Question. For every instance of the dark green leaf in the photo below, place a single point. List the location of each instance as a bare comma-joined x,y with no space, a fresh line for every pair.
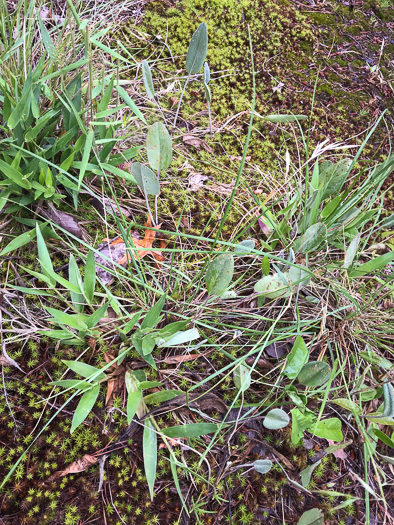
197,51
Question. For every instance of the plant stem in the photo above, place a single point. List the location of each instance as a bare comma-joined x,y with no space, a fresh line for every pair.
180,100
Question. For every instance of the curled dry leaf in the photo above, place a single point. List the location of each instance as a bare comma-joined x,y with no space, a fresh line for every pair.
79,465
192,140
196,181
117,251
65,221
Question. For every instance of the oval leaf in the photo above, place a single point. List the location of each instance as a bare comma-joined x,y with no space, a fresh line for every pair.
242,377
145,178
219,274
158,147
276,418
315,373
262,465
245,246
148,82
197,51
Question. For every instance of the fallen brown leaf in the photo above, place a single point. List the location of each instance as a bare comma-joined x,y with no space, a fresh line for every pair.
175,359
116,378
65,221
117,251
77,466
192,140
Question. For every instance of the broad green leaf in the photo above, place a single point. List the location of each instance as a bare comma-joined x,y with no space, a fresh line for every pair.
21,240
275,419
149,446
306,474
133,400
376,264
171,329
298,276
300,423
334,448
72,383
126,97
376,359
383,437
148,344
265,265
149,384
312,517
197,51
350,253
87,150
284,118
242,377
57,334
31,291
84,370
158,147
328,429
245,246
219,274
273,287
153,316
20,111
148,82
74,275
312,238
46,39
67,319
191,430
84,407
15,175
348,404
262,465
333,178
43,255
297,358
163,395
90,277
181,338
145,179
315,373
